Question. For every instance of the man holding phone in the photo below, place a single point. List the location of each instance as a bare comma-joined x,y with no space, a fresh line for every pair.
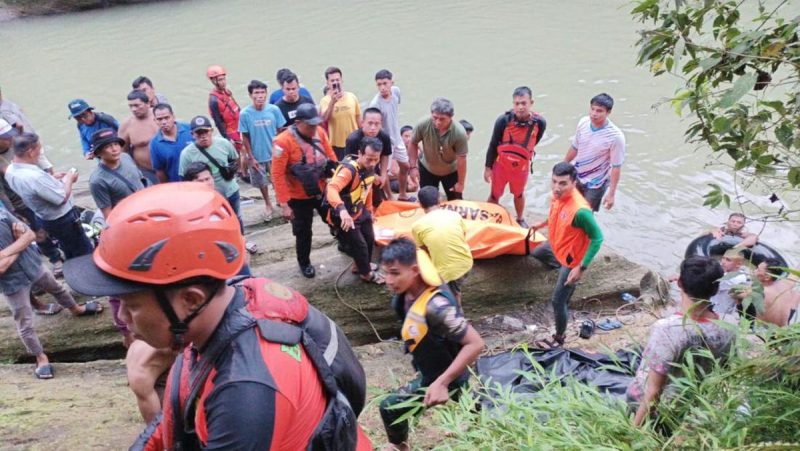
340,110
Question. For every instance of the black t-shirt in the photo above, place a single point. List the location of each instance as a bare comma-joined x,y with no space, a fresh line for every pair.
354,140
289,110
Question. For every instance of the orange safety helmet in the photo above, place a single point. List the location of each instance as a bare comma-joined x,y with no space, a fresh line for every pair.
215,71
171,232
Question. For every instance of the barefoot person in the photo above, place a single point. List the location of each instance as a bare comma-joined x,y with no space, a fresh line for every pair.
138,130
574,239
511,150
440,340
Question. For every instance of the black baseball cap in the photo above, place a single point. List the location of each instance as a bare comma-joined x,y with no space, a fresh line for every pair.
308,114
201,122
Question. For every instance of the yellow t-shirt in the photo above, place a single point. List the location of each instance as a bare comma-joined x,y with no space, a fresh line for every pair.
344,119
442,232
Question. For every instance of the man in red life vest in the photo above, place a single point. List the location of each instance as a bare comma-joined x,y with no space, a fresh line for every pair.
573,241
224,110
511,150
255,371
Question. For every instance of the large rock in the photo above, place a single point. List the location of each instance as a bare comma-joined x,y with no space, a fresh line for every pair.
503,285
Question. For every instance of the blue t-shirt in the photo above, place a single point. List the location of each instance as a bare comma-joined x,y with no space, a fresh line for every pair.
277,95
166,155
261,127
101,121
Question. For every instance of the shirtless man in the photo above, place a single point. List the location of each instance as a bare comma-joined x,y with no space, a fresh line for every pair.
781,300
735,227
138,130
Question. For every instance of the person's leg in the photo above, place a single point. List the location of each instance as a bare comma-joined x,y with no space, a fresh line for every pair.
426,178
357,249
561,296
397,433
339,151
517,187
236,204
21,311
368,232
260,180
400,155
544,253
301,228
68,230
448,182
47,282
499,183
594,196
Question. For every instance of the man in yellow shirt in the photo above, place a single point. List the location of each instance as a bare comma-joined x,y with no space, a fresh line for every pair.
340,110
443,234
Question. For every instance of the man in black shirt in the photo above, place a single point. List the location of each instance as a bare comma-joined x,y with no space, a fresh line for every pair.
291,98
372,121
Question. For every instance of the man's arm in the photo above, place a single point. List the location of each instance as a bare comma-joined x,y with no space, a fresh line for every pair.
608,202
327,103
216,115
471,346
24,237
542,128
748,240
572,152
584,220
491,151
654,386
461,169
232,427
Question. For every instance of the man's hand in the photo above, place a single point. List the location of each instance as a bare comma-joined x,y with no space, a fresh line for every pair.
286,212
74,175
458,188
59,175
608,202
19,229
436,394
252,162
717,233
336,95
487,175
574,275
90,156
347,220
413,173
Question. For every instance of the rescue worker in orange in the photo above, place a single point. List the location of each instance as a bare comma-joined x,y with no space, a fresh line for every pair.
349,195
301,158
224,110
573,241
511,150
245,380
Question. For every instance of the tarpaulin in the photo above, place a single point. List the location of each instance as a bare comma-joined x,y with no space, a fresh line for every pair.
491,231
609,373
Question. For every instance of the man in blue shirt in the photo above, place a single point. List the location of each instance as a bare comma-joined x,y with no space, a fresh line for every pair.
89,122
278,94
258,124
166,146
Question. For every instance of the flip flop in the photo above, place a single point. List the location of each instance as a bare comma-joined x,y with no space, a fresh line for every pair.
408,199
92,308
549,343
609,324
251,247
375,277
51,309
372,267
44,372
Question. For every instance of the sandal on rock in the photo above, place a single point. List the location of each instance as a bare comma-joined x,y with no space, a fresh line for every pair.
44,372
251,247
554,342
92,308
374,277
372,267
51,309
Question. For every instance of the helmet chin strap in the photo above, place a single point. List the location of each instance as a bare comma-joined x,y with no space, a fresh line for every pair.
179,327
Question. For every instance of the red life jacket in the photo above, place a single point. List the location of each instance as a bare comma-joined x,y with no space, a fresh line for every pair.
278,315
518,156
229,110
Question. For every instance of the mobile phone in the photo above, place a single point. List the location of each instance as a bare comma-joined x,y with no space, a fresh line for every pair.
72,170
337,87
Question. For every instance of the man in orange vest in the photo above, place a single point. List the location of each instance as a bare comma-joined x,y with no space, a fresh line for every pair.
574,240
224,110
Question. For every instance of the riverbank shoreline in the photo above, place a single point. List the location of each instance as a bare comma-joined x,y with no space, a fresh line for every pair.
18,9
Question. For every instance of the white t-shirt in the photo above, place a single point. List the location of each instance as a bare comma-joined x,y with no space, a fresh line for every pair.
598,151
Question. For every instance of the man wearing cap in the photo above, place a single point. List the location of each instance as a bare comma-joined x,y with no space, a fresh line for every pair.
137,130
217,153
302,150
116,176
89,122
49,196
256,386
169,142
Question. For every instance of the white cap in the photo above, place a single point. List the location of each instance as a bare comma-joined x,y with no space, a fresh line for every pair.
6,130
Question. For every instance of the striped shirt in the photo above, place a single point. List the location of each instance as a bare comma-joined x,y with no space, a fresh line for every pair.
598,151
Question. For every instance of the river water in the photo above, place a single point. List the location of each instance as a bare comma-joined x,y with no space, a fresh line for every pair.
473,52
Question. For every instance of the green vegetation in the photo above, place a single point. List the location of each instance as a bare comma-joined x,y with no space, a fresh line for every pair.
751,402
739,68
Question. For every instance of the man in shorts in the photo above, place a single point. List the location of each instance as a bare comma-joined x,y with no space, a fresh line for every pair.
387,100
258,124
511,150
598,151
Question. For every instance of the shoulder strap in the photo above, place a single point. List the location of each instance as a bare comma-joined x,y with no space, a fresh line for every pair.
210,158
313,142
119,177
534,125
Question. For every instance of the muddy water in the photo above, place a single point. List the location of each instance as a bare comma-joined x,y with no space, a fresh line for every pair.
468,51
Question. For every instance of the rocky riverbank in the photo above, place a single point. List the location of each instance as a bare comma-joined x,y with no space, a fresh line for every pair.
11,9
